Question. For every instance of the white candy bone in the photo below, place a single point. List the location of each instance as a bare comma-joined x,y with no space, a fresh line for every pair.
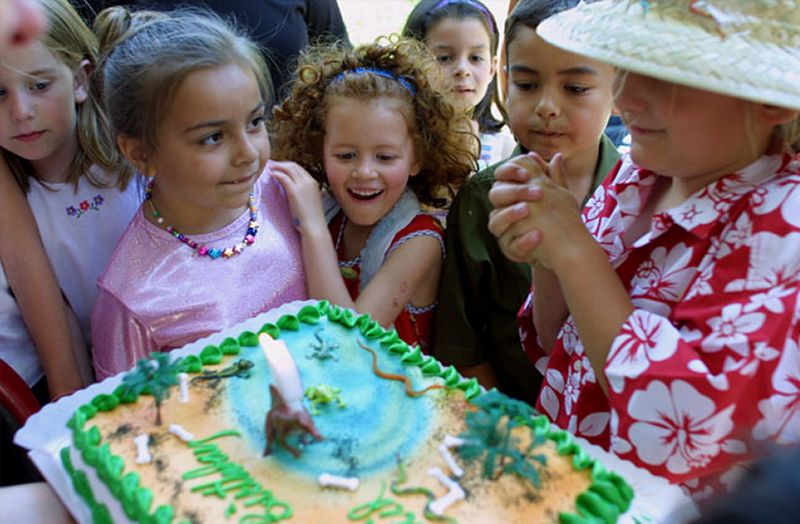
454,494
184,383
142,453
326,480
181,433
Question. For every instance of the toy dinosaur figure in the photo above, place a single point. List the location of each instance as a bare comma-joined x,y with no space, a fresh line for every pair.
287,413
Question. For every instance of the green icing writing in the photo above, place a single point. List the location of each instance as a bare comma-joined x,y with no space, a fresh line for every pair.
234,479
383,508
230,346
211,355
231,510
420,490
290,322
248,339
105,401
271,330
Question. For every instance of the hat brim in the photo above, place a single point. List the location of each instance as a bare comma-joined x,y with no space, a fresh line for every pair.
631,37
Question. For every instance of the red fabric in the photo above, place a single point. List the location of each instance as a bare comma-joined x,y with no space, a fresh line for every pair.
15,395
708,364
415,327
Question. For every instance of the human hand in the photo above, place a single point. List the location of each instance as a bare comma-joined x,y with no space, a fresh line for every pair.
20,21
303,193
532,219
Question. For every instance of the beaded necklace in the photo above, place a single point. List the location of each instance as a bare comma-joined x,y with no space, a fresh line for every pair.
201,250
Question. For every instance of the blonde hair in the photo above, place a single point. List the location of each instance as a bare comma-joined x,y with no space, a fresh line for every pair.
70,40
148,54
399,69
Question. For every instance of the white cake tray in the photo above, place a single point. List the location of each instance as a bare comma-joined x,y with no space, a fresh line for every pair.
46,433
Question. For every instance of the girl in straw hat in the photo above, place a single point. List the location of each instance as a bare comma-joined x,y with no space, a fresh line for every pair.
679,348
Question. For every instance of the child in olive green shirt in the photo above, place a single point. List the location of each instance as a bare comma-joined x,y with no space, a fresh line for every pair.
558,103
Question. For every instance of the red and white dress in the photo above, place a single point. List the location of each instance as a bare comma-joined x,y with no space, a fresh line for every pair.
414,324
707,366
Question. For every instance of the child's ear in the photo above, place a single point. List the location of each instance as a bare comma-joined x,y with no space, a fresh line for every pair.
495,62
81,81
774,115
415,169
134,151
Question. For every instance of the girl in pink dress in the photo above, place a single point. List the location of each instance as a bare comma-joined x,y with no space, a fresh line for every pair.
372,127
666,321
213,244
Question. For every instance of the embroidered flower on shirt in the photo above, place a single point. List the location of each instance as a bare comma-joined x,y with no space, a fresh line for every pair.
86,205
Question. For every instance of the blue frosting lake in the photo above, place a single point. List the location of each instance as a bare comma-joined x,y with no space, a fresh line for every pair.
379,423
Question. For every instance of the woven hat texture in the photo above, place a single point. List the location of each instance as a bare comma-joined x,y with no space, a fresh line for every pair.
747,49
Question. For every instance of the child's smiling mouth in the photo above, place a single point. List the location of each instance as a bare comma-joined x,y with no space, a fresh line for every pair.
364,194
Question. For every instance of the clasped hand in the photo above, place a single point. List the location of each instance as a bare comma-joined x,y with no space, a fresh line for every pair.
536,219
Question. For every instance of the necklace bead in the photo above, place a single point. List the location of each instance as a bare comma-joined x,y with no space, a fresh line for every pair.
201,250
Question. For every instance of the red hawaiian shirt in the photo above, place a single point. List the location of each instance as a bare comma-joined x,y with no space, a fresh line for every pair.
707,366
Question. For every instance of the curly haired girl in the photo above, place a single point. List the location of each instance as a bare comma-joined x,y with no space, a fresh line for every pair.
374,128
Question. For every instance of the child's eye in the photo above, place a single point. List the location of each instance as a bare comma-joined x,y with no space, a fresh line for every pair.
345,156
39,85
212,139
443,58
257,122
525,86
477,58
385,157
577,90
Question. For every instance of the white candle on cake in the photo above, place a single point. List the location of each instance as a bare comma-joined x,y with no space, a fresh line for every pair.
284,372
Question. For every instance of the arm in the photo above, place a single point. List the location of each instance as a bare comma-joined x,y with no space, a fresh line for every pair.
548,231
31,278
407,272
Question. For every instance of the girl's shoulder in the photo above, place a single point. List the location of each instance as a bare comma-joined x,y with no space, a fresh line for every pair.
424,224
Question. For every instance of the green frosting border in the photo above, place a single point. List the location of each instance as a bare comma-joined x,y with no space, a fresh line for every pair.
608,496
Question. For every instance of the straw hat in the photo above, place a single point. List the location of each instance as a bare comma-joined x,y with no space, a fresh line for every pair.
747,49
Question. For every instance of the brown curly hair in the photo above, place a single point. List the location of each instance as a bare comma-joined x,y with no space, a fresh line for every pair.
443,141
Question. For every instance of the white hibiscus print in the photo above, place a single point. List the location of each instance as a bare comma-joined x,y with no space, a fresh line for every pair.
664,276
619,445
781,411
572,389
731,328
643,339
701,284
772,300
677,426
569,335
551,390
770,263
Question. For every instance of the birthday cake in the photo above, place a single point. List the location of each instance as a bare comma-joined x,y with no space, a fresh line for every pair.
396,437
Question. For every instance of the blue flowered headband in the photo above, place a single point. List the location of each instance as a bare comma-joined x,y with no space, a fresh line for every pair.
385,73
477,5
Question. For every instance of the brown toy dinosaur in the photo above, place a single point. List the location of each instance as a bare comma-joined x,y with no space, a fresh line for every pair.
282,420
287,413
